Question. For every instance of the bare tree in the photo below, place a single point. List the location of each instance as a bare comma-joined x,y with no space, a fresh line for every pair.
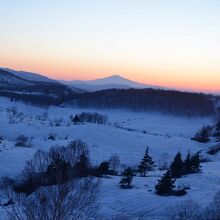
186,210
163,161
55,193
212,212
74,199
114,163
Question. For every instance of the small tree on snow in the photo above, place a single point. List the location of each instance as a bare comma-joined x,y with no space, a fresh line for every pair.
192,163
195,161
177,166
165,185
146,164
188,164
21,141
103,168
126,179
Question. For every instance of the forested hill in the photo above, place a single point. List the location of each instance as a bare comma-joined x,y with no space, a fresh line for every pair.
165,101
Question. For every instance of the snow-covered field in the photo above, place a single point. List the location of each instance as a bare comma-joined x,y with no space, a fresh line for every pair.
127,134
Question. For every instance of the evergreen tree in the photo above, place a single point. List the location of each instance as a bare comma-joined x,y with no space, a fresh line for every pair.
146,164
126,179
82,167
103,168
195,161
177,166
165,185
188,164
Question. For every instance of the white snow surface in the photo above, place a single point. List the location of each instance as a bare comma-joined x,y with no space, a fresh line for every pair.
127,134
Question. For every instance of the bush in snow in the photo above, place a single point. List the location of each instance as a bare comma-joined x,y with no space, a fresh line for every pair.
126,179
203,135
22,141
52,137
42,117
11,112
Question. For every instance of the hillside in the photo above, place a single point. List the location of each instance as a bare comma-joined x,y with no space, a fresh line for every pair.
30,76
127,134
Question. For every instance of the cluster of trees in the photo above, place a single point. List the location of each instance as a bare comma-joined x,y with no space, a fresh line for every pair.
62,182
54,181
172,102
205,133
90,118
177,169
165,185
146,164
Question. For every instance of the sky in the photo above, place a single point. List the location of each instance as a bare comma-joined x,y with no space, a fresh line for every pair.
171,43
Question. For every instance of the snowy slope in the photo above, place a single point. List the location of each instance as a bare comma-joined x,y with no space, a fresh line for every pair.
127,134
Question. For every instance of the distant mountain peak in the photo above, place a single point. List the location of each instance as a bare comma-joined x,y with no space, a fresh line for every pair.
109,82
115,76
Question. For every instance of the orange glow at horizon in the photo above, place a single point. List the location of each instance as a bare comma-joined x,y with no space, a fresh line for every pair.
179,79
172,44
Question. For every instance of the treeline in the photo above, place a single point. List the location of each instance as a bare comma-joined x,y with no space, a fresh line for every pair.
45,97
149,100
165,101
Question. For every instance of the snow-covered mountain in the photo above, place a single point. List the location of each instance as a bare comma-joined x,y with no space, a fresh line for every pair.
13,83
114,81
29,76
7,80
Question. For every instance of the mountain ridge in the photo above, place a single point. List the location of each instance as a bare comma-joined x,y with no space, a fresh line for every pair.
110,82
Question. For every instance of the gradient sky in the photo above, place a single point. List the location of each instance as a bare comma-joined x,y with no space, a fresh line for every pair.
172,43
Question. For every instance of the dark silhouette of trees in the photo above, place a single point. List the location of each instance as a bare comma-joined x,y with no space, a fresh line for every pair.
57,193
103,169
165,101
202,135
195,161
82,167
